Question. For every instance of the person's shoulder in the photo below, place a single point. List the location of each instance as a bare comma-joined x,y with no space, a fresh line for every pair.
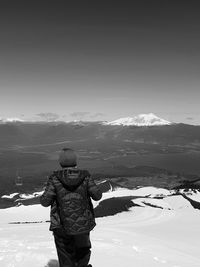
55,174
84,173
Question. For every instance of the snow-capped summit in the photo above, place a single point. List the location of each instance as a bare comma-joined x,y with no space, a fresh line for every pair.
140,120
12,120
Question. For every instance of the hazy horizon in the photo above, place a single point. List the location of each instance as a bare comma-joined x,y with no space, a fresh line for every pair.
100,60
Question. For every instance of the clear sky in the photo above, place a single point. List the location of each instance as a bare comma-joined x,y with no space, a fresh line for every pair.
100,60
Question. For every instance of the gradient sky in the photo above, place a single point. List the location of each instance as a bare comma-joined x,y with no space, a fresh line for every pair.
100,60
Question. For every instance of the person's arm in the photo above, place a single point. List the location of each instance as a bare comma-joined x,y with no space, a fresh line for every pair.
93,190
49,194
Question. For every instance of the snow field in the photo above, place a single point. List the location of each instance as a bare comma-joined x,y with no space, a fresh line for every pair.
143,237
162,234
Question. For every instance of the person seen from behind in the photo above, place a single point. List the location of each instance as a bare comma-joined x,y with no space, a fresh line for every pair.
69,192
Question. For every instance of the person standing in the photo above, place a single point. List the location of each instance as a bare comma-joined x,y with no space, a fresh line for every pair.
69,192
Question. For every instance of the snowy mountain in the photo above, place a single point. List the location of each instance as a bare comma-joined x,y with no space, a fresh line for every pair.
149,119
10,120
140,120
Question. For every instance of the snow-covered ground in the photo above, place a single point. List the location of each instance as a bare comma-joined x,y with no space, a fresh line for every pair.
145,236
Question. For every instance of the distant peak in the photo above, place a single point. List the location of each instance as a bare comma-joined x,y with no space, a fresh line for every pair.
11,120
149,119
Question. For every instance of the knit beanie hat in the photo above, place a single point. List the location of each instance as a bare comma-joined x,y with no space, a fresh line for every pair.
67,158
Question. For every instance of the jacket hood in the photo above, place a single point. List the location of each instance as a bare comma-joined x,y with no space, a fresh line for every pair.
70,178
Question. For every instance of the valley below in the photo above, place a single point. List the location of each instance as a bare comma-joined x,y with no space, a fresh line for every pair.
163,156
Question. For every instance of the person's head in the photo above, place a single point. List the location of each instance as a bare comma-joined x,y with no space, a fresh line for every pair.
67,158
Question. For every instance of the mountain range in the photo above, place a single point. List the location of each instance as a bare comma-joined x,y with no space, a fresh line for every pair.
139,120
92,133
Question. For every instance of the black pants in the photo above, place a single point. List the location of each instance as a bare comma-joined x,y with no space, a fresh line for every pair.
72,250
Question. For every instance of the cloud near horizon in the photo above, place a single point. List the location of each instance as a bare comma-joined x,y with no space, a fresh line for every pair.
80,115
97,115
48,116
190,118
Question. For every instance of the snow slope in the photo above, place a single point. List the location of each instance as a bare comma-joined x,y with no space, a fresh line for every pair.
143,237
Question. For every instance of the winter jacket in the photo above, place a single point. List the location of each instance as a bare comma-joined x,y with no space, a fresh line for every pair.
69,192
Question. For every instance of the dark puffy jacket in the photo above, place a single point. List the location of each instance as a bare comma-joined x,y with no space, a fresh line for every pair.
68,191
